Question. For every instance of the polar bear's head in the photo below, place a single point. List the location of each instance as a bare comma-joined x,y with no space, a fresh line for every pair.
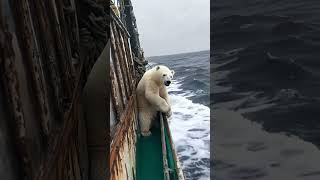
165,75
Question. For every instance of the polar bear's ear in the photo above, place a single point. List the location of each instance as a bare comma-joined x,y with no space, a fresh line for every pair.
157,68
172,71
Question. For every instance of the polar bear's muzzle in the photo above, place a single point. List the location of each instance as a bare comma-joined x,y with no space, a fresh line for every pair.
167,83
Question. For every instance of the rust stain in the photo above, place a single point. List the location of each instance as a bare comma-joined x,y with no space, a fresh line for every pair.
123,143
126,61
117,67
120,52
122,155
115,93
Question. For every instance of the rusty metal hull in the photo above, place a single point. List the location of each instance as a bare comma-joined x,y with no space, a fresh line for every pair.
123,118
123,147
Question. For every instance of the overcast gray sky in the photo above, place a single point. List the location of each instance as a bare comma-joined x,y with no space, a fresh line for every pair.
173,26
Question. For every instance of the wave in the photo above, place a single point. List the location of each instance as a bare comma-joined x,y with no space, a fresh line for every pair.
191,133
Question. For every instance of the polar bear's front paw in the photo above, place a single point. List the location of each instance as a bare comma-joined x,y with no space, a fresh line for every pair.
145,133
164,107
169,113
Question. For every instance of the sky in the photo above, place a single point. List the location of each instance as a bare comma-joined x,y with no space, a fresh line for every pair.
173,26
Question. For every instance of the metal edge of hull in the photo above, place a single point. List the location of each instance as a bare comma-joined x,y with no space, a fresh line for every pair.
175,157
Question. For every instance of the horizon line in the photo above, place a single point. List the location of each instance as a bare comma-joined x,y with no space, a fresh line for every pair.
178,53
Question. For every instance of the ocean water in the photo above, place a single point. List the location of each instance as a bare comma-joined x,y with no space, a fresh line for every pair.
270,50
190,122
265,65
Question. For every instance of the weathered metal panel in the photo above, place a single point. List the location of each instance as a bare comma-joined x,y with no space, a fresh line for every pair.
117,67
130,61
116,94
126,63
123,146
120,52
45,62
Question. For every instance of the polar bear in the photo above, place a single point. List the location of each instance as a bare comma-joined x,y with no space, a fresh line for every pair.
152,96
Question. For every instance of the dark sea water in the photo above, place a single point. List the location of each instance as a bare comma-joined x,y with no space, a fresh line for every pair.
190,122
265,72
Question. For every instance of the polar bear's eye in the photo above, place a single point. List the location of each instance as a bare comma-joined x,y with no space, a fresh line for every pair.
164,75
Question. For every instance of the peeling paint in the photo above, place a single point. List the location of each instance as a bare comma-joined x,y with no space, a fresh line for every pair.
123,146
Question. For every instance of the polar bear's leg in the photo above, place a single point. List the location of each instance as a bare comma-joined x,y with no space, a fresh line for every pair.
145,118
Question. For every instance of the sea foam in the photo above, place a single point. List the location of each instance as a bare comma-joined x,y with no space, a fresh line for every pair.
190,128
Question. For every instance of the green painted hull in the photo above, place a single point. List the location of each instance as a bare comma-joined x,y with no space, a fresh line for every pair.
149,156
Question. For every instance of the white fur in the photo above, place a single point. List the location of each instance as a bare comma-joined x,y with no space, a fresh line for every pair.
152,96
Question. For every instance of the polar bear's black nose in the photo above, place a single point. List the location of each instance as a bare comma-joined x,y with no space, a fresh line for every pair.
167,83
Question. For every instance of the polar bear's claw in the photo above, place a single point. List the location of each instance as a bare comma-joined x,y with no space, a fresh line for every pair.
168,114
148,133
